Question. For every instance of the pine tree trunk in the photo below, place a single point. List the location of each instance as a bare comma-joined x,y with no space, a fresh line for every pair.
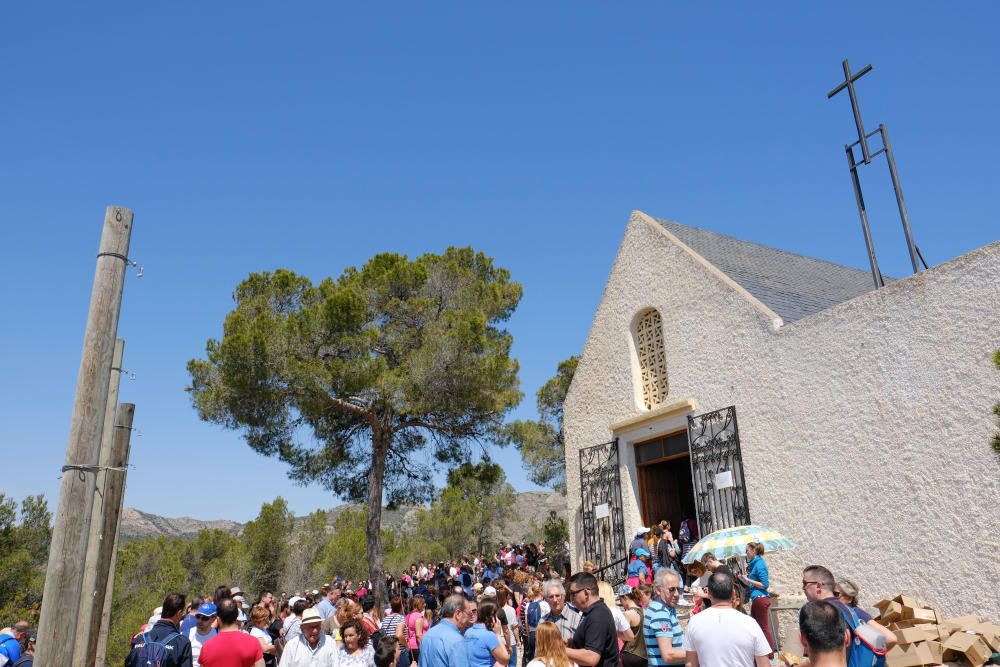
373,530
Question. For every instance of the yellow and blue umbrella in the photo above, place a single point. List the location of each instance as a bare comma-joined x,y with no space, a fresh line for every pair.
730,542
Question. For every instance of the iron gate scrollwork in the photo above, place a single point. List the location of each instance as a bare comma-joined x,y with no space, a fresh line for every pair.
717,471
601,509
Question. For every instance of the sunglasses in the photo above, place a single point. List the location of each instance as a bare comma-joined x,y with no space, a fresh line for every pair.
572,594
805,584
203,618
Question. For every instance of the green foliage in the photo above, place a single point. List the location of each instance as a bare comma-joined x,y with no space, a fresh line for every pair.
374,366
146,570
996,408
266,540
470,512
541,442
556,535
24,552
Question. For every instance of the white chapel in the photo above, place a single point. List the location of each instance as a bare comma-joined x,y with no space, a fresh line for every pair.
735,383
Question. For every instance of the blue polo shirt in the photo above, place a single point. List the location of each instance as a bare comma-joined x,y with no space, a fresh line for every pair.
9,647
479,645
443,646
659,620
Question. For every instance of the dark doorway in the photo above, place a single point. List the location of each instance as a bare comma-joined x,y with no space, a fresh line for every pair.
665,486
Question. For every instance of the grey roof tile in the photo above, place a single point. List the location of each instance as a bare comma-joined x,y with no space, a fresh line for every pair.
793,286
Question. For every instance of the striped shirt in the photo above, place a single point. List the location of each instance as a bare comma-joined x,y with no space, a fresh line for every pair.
389,624
661,621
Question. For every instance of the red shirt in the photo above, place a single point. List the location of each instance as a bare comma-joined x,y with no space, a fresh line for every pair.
230,649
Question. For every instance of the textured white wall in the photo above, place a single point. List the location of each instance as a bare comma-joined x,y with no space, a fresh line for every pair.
864,428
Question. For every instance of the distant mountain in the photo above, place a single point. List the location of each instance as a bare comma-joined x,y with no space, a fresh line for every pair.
137,525
528,506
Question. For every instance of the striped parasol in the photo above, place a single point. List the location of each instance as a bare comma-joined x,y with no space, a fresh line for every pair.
730,542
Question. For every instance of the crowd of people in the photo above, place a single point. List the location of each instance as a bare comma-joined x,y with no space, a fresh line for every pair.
508,610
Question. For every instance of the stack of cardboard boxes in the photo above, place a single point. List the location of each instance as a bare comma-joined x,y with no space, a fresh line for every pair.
925,638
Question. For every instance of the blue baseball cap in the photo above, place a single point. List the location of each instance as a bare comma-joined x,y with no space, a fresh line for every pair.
207,609
641,552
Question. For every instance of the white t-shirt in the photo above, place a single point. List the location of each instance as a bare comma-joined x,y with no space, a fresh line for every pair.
723,637
197,641
621,623
261,634
511,614
540,663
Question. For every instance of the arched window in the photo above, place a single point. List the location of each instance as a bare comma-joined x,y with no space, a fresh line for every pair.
652,358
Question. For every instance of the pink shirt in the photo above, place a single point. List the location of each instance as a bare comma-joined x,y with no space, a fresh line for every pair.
411,629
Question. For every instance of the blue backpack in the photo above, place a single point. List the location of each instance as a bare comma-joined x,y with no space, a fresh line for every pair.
154,654
533,615
868,646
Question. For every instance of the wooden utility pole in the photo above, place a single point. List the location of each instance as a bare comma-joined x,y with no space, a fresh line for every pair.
92,594
101,654
114,491
68,551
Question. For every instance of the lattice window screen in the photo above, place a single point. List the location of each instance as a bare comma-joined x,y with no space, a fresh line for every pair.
652,358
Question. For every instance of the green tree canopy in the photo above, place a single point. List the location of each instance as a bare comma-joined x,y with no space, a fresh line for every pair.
471,510
541,442
346,381
267,539
24,552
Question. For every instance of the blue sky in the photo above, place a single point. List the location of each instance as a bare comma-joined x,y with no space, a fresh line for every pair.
250,136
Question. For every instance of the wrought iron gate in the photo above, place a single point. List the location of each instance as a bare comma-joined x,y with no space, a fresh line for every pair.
601,508
717,471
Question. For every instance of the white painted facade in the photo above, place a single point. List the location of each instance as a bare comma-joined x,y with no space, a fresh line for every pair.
865,428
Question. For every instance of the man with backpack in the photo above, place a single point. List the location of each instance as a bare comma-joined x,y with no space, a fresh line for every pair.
10,643
824,634
163,645
535,609
869,641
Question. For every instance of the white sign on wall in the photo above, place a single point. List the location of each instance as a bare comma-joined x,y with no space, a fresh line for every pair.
724,480
601,511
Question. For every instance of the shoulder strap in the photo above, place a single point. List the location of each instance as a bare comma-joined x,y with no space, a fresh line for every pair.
849,616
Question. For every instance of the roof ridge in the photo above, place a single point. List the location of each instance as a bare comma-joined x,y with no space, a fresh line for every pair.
766,247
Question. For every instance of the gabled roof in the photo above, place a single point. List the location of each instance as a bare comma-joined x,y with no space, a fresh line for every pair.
793,286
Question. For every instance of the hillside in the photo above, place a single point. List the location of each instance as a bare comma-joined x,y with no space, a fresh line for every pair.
528,506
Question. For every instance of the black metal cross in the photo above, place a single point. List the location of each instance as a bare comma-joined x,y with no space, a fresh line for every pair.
883,132
849,84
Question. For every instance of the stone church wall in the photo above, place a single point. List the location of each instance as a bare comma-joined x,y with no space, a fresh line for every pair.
864,428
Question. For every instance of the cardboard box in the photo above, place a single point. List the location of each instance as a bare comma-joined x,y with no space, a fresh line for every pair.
901,656
892,612
969,645
965,622
919,615
990,632
948,629
911,635
912,655
933,632
882,604
936,650
908,601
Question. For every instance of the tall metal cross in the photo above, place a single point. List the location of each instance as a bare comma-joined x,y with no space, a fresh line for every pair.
867,157
849,84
